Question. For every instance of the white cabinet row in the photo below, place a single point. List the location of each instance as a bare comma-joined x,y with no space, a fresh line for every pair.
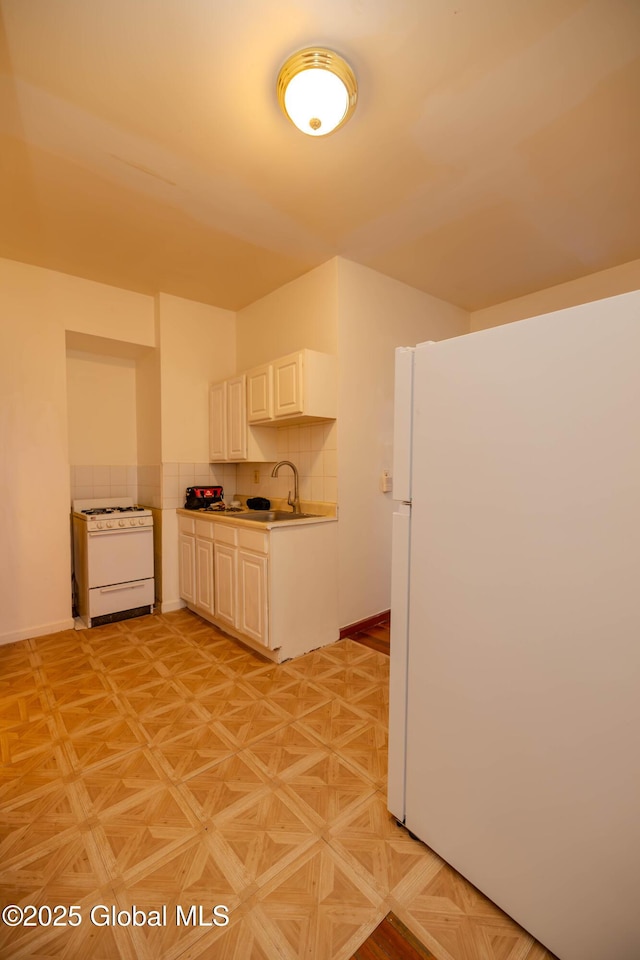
298,388
230,436
274,589
223,573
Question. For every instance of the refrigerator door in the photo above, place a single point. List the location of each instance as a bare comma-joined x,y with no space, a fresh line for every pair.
523,715
400,543
402,424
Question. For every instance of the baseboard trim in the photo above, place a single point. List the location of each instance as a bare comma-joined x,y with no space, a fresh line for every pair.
170,605
40,631
363,625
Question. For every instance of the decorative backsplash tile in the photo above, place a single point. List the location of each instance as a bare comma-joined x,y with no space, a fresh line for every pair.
160,486
313,449
92,482
150,485
176,477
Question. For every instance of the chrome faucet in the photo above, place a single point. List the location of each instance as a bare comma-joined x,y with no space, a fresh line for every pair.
295,503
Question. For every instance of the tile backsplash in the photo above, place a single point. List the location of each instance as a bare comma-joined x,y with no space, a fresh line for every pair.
313,449
154,485
176,477
90,482
150,485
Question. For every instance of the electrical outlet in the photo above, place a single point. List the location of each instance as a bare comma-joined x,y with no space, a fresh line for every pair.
256,476
386,482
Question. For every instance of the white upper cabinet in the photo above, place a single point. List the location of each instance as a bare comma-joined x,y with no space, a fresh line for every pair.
259,394
230,437
288,386
218,422
299,388
237,418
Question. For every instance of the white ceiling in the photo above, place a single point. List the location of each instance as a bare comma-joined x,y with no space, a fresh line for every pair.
495,149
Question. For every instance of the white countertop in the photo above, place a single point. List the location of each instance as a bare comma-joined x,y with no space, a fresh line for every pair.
231,518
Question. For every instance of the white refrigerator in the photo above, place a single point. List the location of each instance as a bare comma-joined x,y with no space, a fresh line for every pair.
515,632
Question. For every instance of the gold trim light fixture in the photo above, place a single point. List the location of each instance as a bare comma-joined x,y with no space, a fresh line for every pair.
317,90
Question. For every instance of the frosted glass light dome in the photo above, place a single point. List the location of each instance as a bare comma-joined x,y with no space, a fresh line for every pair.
317,91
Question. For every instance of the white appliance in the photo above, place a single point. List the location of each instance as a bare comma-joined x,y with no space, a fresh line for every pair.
515,643
113,559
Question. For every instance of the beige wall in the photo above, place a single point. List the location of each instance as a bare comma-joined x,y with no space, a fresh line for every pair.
339,308
148,396
69,347
101,405
596,286
300,314
361,316
36,306
197,347
375,315
96,308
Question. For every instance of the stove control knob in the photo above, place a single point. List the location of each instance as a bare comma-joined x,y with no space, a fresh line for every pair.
109,523
121,523
140,522
100,524
132,523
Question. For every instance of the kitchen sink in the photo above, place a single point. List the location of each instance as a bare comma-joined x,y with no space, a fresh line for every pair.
270,516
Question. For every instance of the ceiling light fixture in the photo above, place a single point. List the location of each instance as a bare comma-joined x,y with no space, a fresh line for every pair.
317,90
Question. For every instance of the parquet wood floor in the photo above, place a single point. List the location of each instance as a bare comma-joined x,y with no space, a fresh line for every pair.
392,940
157,764
376,637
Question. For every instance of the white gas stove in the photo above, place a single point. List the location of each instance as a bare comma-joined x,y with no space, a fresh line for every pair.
112,514
113,559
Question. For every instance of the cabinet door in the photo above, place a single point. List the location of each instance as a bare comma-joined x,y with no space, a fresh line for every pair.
187,567
237,418
253,613
218,422
225,559
287,386
259,394
204,575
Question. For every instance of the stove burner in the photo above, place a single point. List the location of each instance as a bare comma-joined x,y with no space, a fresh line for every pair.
98,511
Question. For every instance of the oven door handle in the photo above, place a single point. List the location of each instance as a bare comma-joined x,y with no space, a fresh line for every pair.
121,586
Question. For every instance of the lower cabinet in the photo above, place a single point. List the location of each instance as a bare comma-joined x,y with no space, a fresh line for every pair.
187,565
195,565
204,575
252,596
274,589
223,573
225,564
